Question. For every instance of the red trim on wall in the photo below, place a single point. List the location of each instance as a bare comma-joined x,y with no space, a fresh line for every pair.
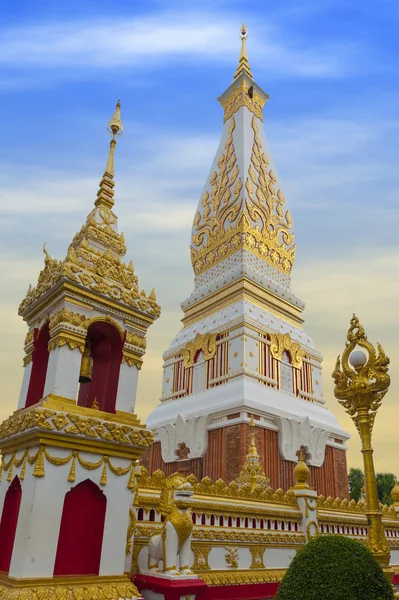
174,589
81,531
39,366
252,591
8,524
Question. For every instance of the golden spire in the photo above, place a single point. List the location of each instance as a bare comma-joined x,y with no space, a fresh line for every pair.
243,64
105,194
252,471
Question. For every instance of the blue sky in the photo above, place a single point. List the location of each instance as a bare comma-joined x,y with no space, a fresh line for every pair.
332,123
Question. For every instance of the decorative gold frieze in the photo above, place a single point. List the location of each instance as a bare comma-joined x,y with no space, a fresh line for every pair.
280,343
243,577
74,424
38,459
136,340
256,223
242,536
66,316
67,338
240,97
67,588
205,343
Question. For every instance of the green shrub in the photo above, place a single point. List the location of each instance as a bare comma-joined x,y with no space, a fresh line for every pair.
333,567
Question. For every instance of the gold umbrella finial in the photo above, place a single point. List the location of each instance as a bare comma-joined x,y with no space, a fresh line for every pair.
115,125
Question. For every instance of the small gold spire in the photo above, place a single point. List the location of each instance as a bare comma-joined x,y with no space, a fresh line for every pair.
252,451
105,194
243,64
252,471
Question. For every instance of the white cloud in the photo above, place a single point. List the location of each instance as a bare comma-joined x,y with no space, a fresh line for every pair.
184,35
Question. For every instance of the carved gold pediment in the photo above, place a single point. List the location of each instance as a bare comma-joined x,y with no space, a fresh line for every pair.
283,343
203,343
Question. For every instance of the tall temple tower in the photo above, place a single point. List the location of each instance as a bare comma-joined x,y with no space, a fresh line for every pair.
70,450
242,349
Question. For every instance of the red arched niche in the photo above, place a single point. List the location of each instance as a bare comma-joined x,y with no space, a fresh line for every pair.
8,523
39,365
81,531
106,346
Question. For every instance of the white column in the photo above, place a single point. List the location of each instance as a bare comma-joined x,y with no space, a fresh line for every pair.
127,388
63,370
25,385
307,502
36,538
119,500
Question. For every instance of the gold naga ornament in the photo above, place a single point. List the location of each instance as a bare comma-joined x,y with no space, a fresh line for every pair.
361,382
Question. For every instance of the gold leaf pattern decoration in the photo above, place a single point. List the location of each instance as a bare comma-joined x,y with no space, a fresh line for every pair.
230,220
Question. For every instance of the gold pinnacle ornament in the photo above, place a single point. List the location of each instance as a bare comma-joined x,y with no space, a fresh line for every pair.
361,382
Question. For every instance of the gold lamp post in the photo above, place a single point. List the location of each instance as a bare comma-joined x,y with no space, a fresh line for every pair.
361,382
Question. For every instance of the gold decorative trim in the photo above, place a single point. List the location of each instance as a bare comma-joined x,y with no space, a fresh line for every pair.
130,531
217,534
67,588
280,343
136,340
207,490
27,359
243,577
240,97
205,343
37,459
67,338
74,424
66,316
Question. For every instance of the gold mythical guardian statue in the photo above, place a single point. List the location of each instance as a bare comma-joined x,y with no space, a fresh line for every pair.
173,544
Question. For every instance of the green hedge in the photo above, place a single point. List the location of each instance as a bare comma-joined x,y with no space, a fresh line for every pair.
334,567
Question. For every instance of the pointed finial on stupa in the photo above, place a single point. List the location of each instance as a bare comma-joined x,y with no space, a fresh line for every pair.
105,194
243,64
115,125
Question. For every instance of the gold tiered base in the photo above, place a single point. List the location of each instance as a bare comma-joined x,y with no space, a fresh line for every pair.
68,588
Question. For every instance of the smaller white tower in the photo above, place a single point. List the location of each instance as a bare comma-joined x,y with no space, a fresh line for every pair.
69,451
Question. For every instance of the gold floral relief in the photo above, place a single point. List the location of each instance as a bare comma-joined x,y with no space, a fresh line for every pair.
231,221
